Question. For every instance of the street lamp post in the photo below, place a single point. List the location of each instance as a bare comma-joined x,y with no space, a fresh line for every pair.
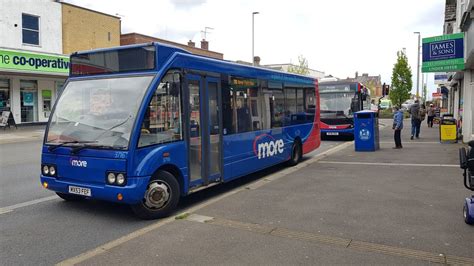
253,36
418,67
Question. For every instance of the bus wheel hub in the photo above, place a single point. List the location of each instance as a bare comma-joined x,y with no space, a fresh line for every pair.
157,195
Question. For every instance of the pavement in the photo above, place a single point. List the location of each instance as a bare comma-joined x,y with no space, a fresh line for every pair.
336,207
21,134
341,207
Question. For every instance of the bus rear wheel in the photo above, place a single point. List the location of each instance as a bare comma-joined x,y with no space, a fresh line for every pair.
161,197
69,197
296,154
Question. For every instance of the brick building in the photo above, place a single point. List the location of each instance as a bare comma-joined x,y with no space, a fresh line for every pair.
136,38
85,29
374,83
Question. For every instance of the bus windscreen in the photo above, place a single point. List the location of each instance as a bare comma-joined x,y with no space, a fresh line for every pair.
116,61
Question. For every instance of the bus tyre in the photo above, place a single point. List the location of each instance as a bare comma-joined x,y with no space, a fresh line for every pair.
69,197
296,154
161,197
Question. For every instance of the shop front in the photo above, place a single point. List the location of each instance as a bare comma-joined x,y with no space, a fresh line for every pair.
30,83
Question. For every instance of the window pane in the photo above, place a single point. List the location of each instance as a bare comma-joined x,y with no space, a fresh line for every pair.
30,22
310,100
290,105
243,111
31,37
277,108
162,121
299,101
227,105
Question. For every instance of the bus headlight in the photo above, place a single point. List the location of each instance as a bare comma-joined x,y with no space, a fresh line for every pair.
48,170
111,178
120,179
52,170
45,170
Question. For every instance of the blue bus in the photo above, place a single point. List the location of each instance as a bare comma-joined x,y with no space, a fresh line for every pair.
148,124
339,101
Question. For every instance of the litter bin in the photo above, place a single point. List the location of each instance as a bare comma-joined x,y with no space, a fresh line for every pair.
448,129
366,131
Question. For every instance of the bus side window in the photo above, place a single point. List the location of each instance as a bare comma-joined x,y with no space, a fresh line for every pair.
227,103
162,121
277,108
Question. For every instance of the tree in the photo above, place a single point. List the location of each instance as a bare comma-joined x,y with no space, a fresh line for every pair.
301,68
401,80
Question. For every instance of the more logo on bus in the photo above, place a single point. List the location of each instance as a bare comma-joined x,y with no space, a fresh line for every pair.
271,147
78,163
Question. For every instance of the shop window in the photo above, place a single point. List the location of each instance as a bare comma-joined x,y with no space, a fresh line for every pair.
4,95
30,29
162,122
29,101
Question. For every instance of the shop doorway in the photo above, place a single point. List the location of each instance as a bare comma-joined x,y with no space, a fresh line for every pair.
29,101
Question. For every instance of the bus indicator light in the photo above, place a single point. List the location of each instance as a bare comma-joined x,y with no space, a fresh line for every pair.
120,196
45,185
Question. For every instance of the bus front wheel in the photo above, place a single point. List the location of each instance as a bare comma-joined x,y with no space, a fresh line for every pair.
296,153
161,197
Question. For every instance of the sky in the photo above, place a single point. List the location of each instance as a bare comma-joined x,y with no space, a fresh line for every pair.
337,37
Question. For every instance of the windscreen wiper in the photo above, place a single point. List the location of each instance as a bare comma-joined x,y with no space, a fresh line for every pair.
77,149
52,148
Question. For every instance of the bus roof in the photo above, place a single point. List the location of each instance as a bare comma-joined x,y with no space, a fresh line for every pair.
108,61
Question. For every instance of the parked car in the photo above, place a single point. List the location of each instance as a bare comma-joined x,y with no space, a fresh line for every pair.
407,104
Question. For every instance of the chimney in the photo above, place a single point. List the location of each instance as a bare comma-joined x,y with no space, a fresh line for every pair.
191,43
256,60
204,44
357,74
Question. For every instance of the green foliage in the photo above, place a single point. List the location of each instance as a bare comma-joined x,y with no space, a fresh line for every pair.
301,68
401,80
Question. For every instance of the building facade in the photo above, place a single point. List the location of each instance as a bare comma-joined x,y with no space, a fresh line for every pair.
85,29
460,86
37,38
374,83
32,66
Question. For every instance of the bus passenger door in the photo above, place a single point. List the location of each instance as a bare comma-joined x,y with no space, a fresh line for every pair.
203,125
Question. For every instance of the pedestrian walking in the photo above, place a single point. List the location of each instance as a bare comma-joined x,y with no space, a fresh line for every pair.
397,127
415,119
431,115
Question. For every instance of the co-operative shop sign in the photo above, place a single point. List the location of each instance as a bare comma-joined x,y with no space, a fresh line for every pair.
443,53
16,60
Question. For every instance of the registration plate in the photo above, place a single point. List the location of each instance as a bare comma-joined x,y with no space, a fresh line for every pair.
80,191
332,133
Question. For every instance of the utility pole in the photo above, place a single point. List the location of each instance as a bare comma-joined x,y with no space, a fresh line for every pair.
418,67
253,36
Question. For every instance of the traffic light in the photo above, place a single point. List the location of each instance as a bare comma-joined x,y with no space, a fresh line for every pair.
385,90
